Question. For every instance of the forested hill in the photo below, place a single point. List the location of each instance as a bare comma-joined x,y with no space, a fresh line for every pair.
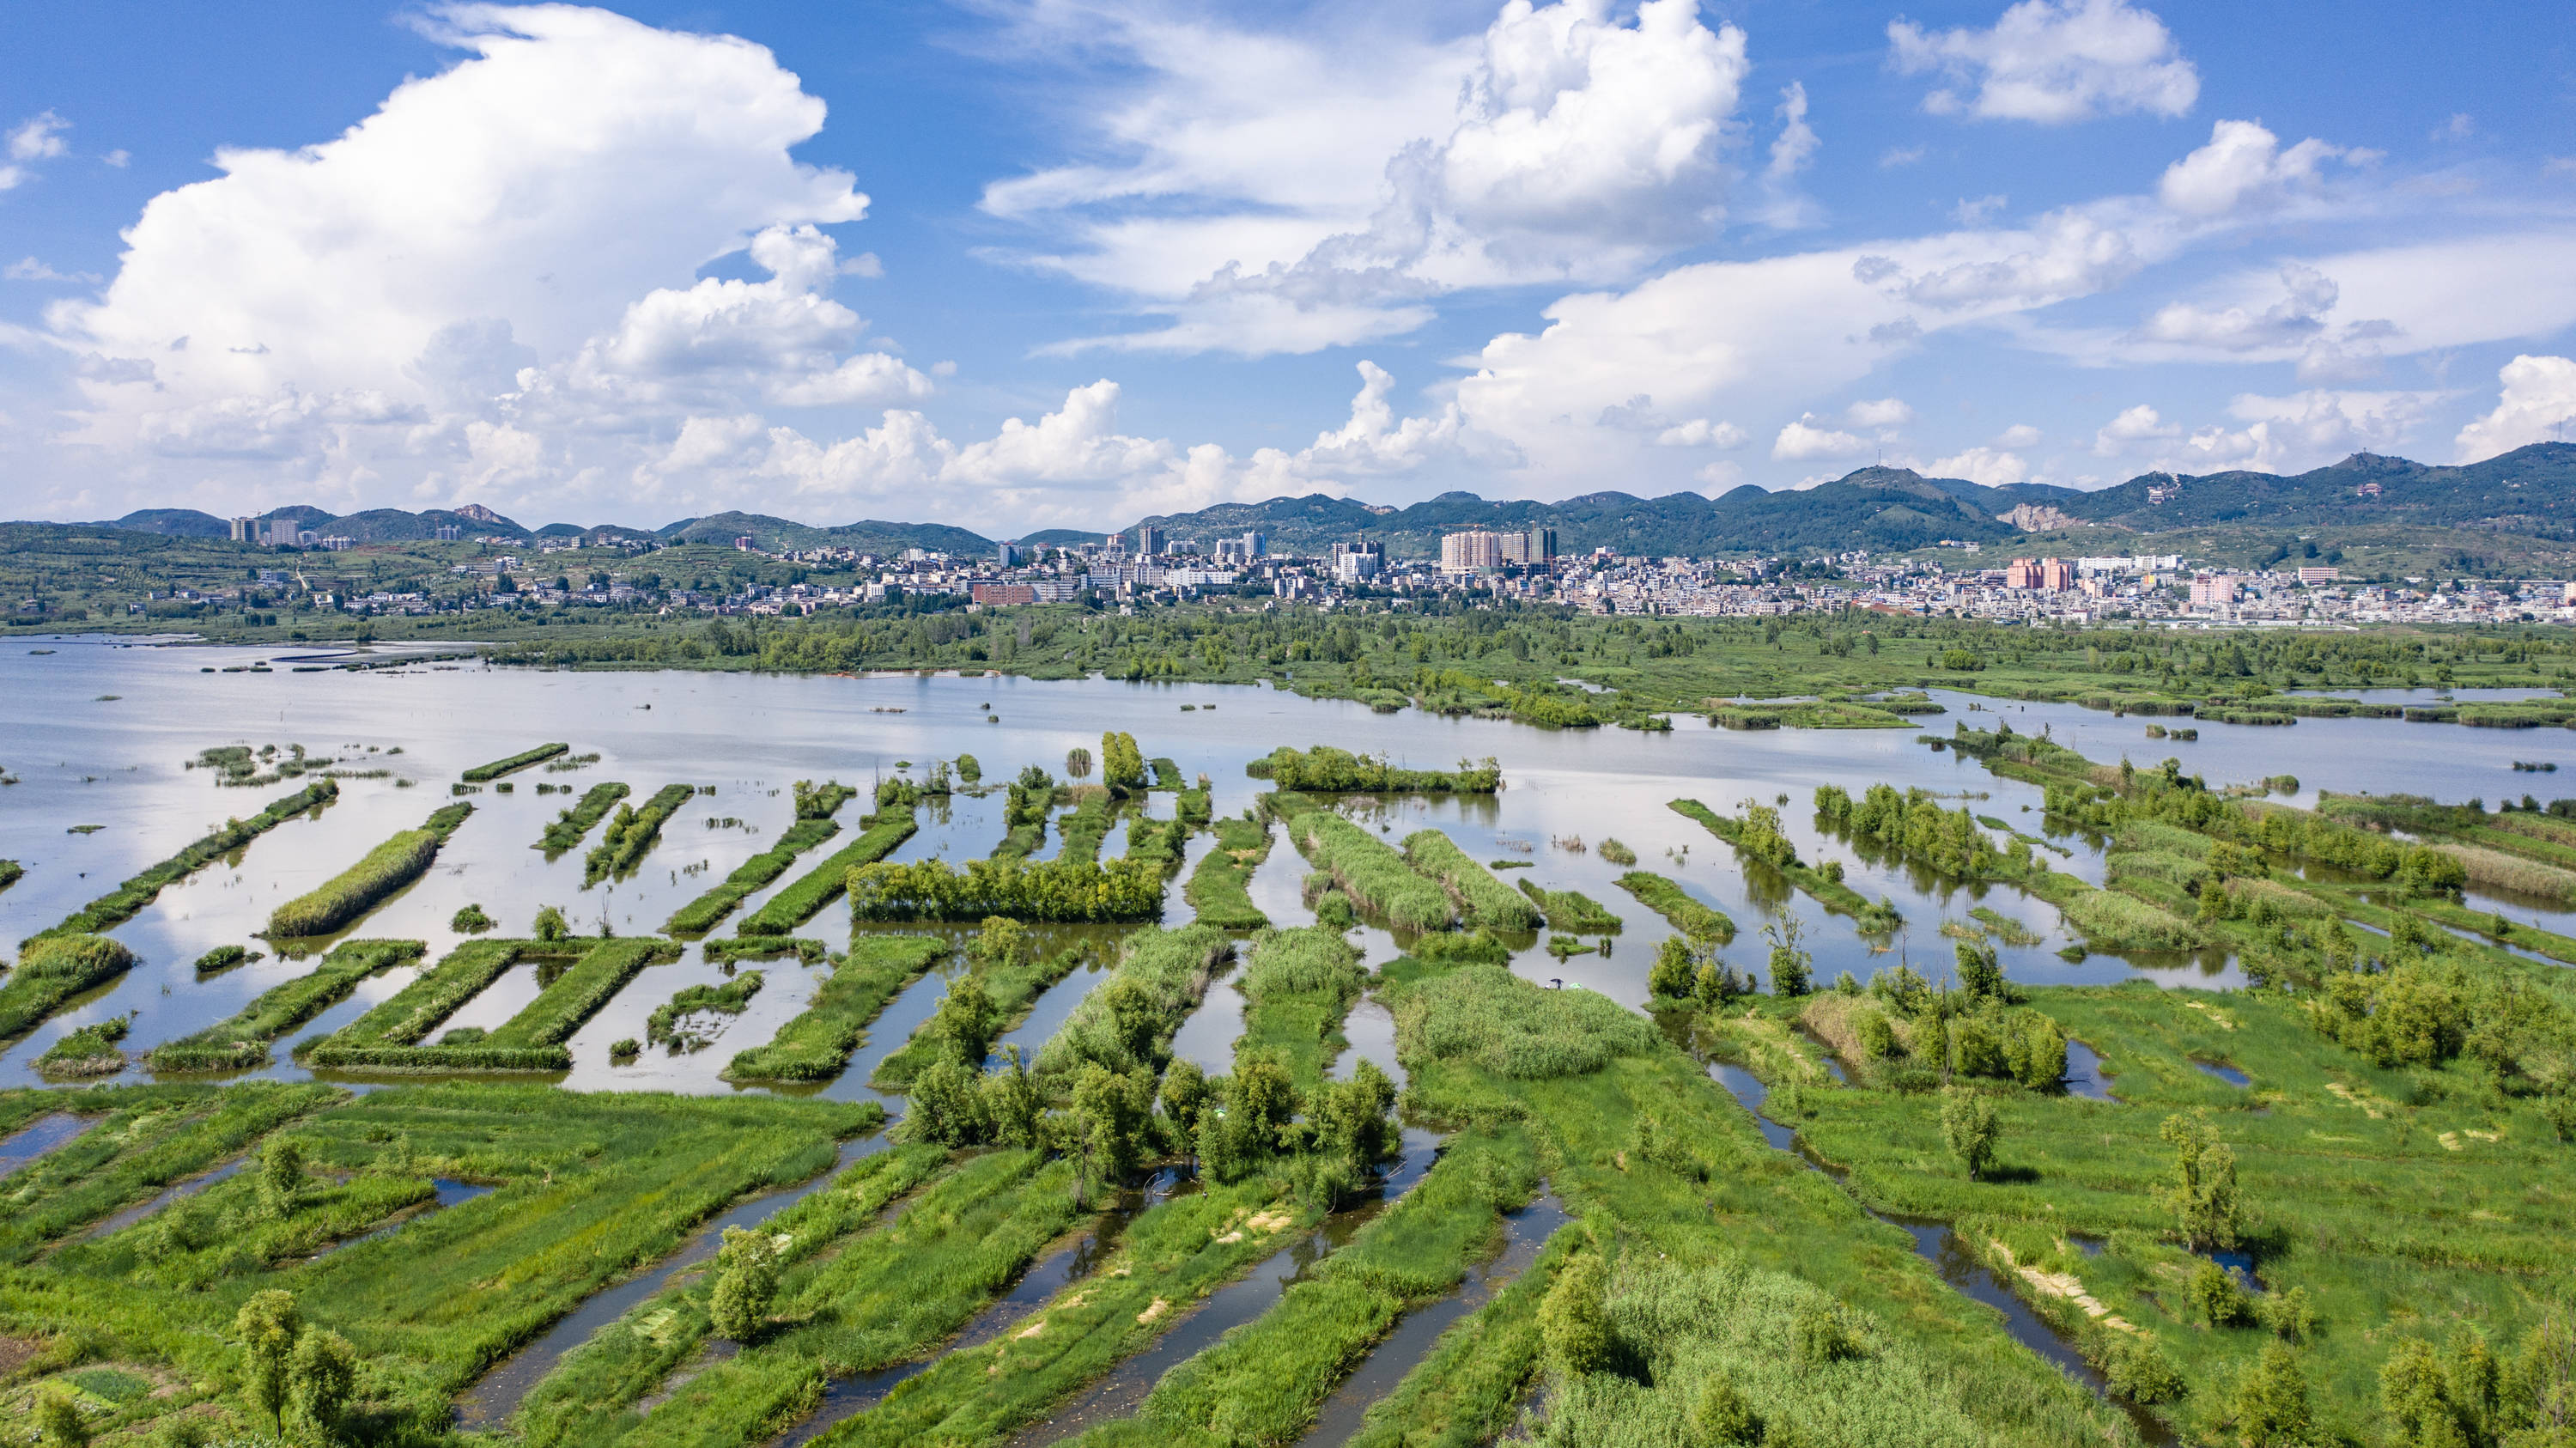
2527,492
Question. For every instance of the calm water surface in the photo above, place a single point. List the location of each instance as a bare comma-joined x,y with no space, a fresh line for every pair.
120,764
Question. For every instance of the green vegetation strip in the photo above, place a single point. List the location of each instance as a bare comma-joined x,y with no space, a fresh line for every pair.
1011,988
1087,824
805,896
127,900
1047,890
485,773
1757,837
1129,1020
709,910
578,993
386,1038
1570,910
1297,988
816,1045
568,828
10,873
242,1042
53,970
631,833
431,997
1370,871
1327,770
1665,897
1219,889
353,892
1484,899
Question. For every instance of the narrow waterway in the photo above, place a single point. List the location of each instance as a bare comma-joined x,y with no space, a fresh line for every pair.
1937,1244
496,1396
1120,1393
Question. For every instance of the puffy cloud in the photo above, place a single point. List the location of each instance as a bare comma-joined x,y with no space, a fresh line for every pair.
2243,166
1578,148
2538,405
37,138
1785,207
1883,413
1700,432
2067,253
2052,63
1992,467
2020,434
1803,440
2299,316
2135,425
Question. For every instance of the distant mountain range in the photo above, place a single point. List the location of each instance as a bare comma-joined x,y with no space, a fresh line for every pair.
2526,492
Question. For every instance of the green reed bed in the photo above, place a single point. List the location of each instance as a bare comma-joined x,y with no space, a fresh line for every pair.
1470,1387
1162,976
1172,1255
1665,896
731,998
568,828
148,1138
632,833
241,1043
1011,986
349,895
1571,910
1219,889
10,873
1298,987
593,1397
725,950
1483,899
709,910
51,971
805,896
577,994
1044,891
1159,843
1327,770
1084,826
1665,1169
498,768
816,1044
1370,871
128,899
1757,838
1263,1382
88,1051
889,1296
413,1012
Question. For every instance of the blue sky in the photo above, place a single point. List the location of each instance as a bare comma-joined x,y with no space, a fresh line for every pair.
1023,263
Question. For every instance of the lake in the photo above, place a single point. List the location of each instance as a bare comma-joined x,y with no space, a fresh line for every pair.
120,763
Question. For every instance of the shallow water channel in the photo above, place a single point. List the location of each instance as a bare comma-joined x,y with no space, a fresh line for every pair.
1935,1242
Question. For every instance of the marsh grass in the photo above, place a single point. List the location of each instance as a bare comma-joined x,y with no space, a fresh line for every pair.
708,911
632,833
1170,969
1483,899
1218,890
1370,871
567,829
804,898
1666,897
241,1042
51,971
486,773
1012,986
1571,910
128,899
816,1044
349,895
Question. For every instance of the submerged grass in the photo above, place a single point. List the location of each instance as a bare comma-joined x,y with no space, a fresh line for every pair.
565,832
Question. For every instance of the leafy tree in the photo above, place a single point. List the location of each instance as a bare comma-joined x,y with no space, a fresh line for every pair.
1003,942
281,1176
1968,1125
2202,1190
1791,965
1185,1099
947,1105
746,1284
1109,1114
967,1020
550,925
969,769
320,1378
2216,1297
58,1420
2139,1371
1979,976
1010,1102
1573,1321
2272,1401
1721,1418
268,1326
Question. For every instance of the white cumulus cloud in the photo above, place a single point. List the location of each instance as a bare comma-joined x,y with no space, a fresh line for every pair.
1993,467
37,138
1803,440
2538,405
2052,63
2244,165
1883,413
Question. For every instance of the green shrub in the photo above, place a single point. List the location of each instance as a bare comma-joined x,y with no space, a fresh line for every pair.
709,910
632,832
1048,890
568,828
1128,1020
1571,911
731,998
241,1043
224,957
1327,770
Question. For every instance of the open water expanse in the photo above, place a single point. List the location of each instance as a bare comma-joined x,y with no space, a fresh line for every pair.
100,733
